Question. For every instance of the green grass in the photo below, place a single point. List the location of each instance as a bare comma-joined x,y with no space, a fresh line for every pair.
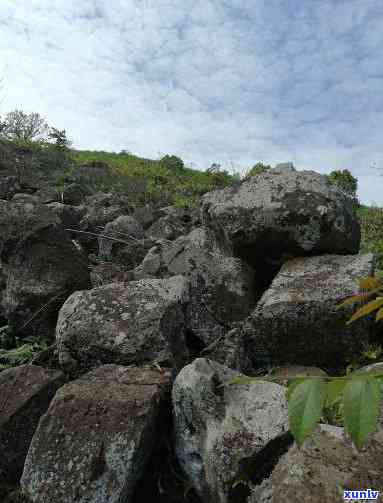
371,220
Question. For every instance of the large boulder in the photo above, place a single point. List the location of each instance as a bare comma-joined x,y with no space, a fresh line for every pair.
41,265
282,212
220,426
26,392
70,216
223,288
297,321
9,186
319,471
93,444
126,323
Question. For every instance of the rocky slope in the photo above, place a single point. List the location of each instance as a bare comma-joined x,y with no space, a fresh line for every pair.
150,312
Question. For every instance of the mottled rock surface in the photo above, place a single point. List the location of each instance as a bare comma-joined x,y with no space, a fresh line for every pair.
322,468
296,320
219,425
25,394
282,211
126,323
41,265
222,287
97,436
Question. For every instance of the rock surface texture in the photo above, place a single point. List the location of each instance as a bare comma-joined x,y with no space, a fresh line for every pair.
218,426
296,320
41,265
96,438
282,211
134,323
25,395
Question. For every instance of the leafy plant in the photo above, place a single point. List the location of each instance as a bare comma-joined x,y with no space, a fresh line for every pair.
352,400
22,353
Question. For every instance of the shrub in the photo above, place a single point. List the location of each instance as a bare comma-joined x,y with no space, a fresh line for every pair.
172,162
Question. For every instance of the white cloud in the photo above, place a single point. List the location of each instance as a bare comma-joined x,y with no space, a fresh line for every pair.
211,81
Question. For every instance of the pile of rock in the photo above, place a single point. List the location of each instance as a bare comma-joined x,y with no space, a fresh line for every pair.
180,304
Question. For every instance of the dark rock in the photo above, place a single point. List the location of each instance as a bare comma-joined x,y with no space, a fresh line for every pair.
96,439
126,323
296,320
222,288
9,186
42,267
75,194
25,394
122,232
70,216
101,209
104,274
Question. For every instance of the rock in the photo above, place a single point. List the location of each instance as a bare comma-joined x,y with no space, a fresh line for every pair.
218,426
126,323
25,392
320,470
282,212
101,209
166,228
70,216
95,441
9,186
104,274
222,287
146,215
22,198
41,265
296,320
74,194
121,232
47,195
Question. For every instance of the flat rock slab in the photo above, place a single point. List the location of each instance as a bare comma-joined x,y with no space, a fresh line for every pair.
219,425
296,320
126,323
25,394
97,436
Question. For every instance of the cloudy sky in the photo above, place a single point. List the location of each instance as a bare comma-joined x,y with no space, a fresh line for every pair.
227,81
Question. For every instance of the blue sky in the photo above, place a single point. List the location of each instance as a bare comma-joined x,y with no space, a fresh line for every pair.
233,82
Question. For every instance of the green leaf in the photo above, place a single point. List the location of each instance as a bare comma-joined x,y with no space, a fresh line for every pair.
244,380
335,389
293,383
361,399
366,309
306,403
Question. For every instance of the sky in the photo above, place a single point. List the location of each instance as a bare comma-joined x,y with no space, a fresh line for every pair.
227,81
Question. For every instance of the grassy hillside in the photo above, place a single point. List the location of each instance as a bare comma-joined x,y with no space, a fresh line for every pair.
157,178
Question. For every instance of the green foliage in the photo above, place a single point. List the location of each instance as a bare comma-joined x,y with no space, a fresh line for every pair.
22,352
344,181
23,128
60,139
257,169
172,162
371,223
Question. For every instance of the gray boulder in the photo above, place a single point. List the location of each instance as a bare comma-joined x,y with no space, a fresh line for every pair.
222,288
123,242
282,212
42,267
125,323
70,216
94,442
218,426
9,186
106,273
296,320
166,227
320,470
101,209
25,392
